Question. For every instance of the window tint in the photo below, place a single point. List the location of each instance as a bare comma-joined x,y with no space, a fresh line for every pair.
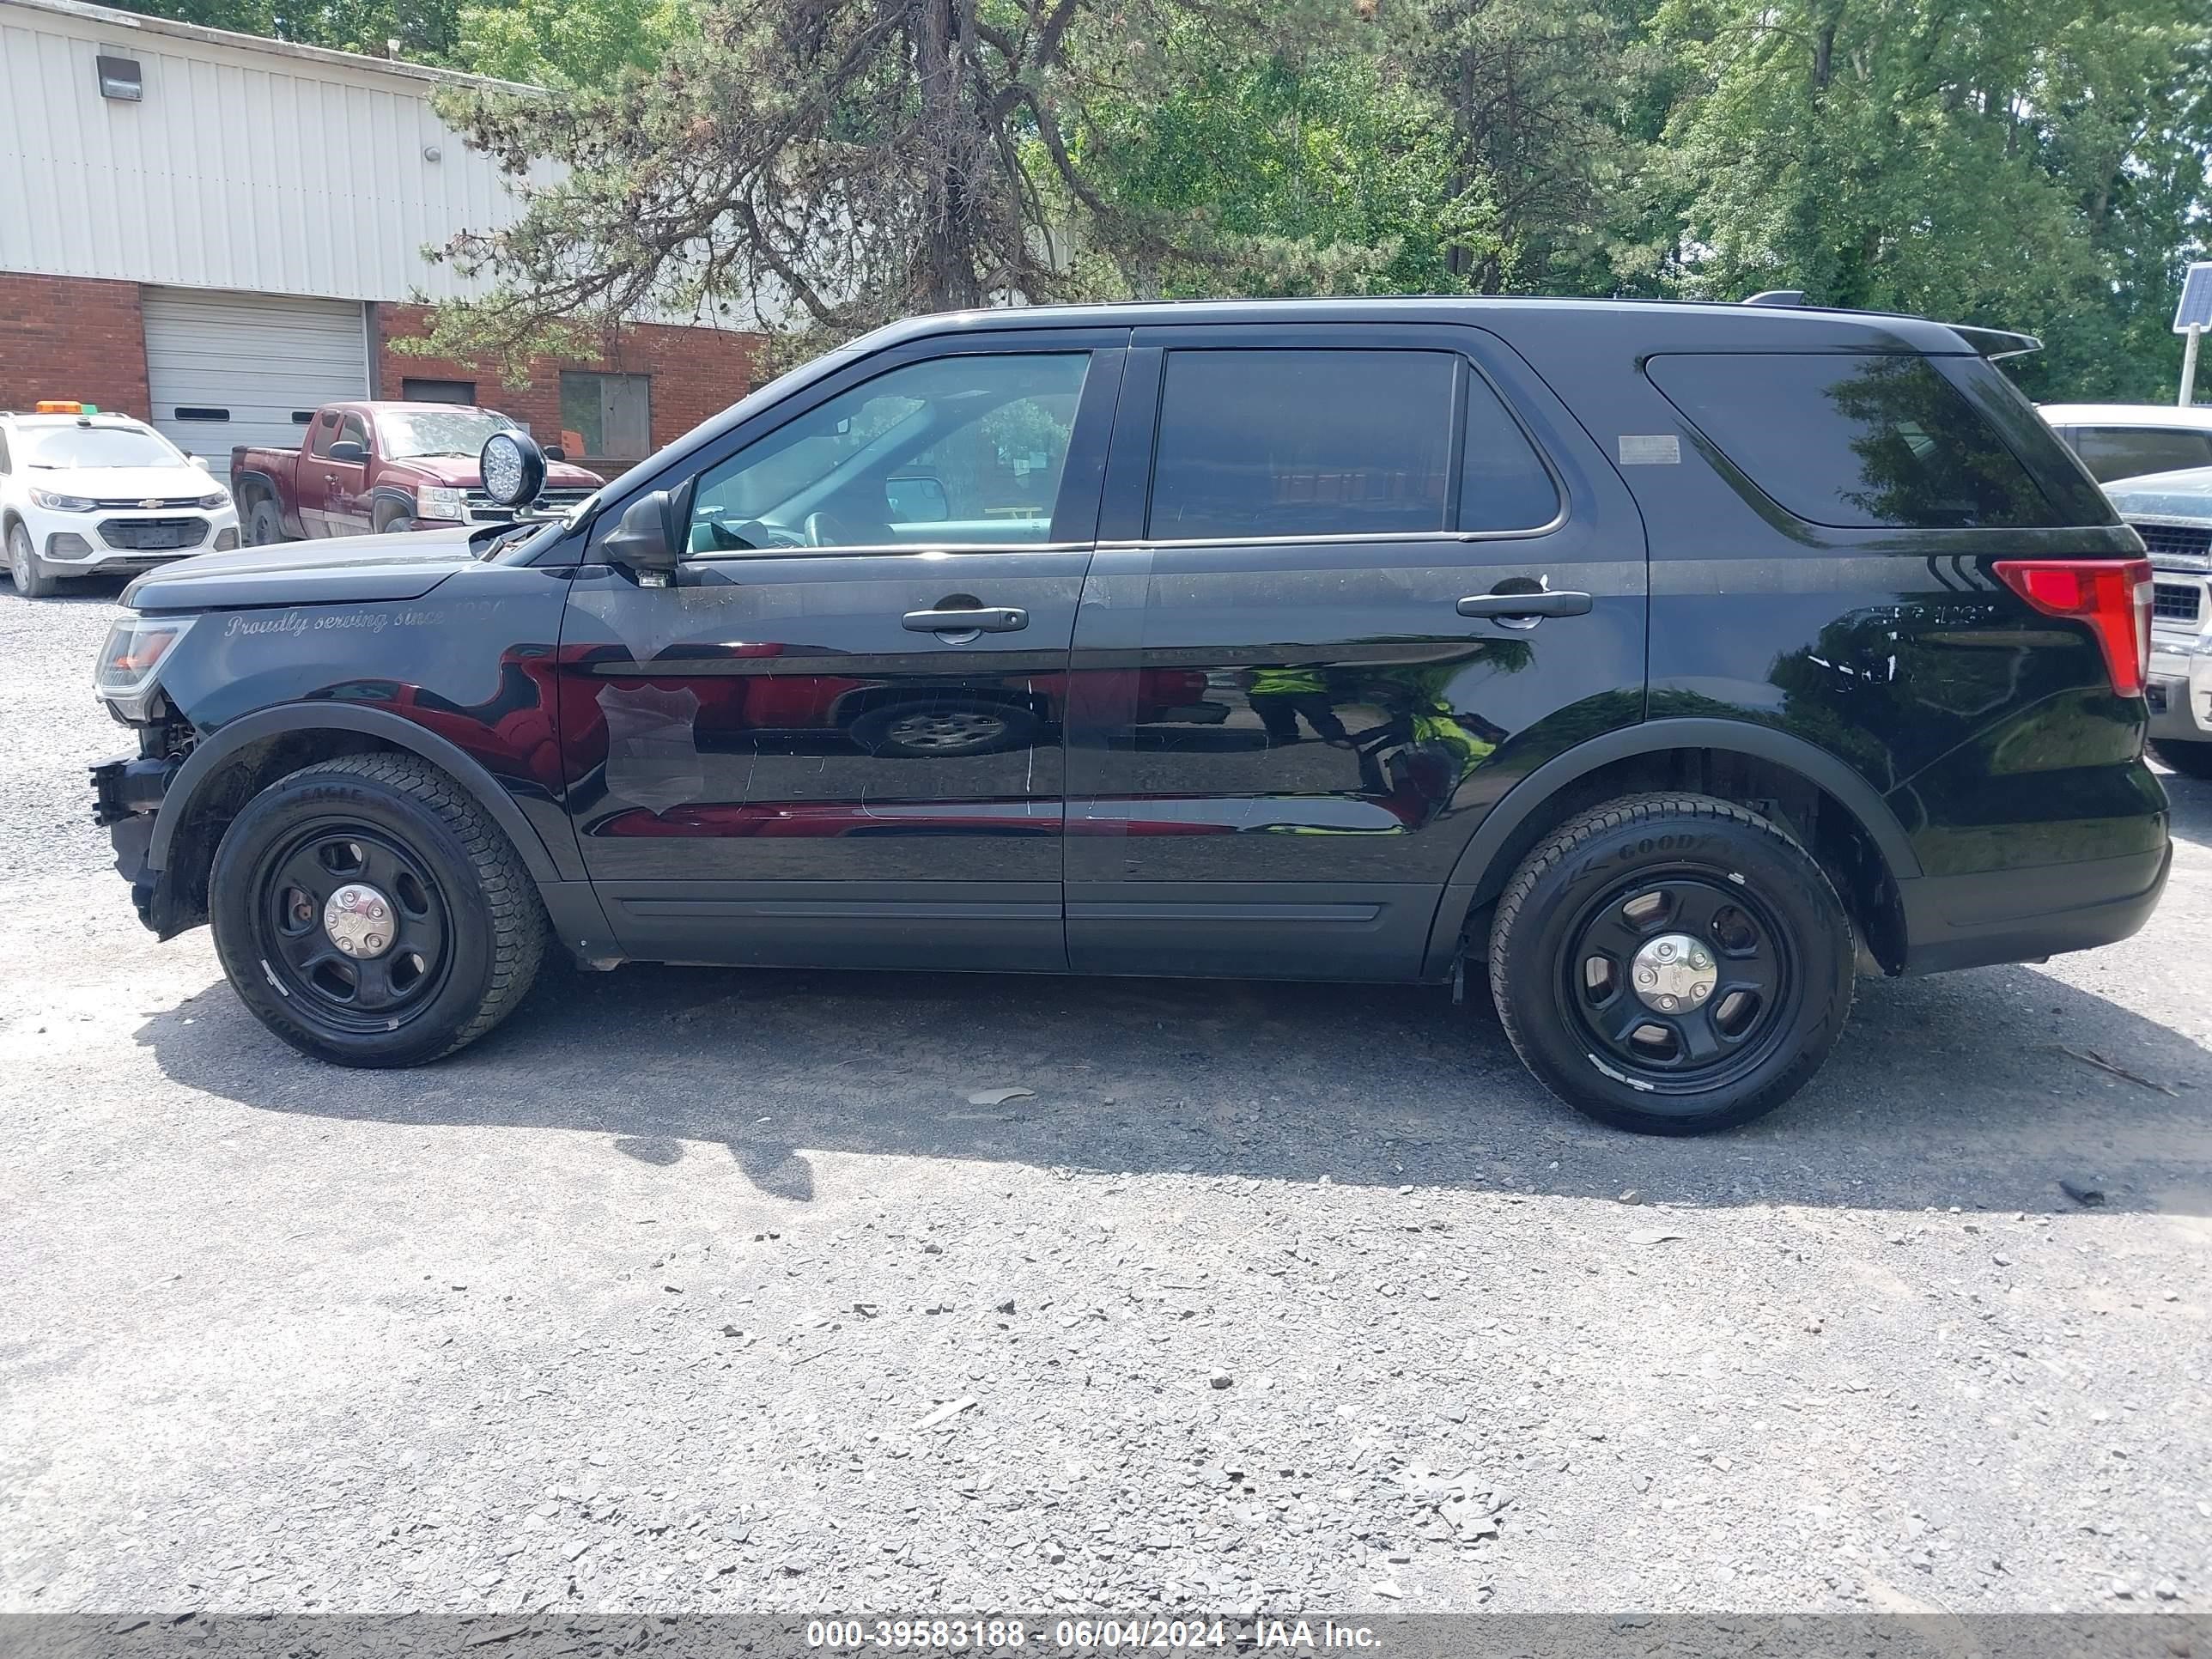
326,428
4,465
1855,440
354,430
1503,484
1302,443
2130,452
956,450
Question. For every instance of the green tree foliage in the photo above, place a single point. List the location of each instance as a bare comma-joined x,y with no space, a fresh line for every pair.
2030,165
2039,165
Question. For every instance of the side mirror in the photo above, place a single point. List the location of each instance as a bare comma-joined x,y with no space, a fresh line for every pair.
647,539
199,461
513,468
345,449
554,453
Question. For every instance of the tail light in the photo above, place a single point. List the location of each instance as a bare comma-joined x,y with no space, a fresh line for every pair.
2113,596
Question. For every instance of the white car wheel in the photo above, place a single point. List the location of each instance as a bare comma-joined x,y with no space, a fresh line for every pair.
31,579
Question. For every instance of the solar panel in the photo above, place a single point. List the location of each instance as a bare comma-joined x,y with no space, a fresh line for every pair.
2195,304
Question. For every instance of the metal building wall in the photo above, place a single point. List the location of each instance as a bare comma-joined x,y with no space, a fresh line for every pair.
247,168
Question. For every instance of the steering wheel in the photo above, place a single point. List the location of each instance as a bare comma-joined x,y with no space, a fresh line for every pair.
831,528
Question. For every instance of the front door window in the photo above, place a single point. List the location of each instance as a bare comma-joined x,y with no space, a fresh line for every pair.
954,451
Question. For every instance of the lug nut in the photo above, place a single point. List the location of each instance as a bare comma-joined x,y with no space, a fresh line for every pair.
346,945
1697,993
1665,950
373,942
1666,1002
1645,976
375,912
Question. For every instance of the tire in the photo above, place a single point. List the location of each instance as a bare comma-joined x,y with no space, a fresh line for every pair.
32,579
397,524
374,824
264,526
1604,902
934,729
2191,760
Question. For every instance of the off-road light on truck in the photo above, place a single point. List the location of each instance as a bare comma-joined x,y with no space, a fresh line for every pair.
512,467
132,660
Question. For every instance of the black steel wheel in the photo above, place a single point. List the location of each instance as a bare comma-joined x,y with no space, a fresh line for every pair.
370,913
1672,964
352,924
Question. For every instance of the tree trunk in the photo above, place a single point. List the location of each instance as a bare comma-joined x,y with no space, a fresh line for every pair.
945,266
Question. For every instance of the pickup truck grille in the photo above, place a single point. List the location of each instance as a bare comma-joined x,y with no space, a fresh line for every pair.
2187,545
154,535
2175,602
481,506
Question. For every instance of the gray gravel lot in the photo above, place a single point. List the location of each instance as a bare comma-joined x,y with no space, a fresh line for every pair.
697,1289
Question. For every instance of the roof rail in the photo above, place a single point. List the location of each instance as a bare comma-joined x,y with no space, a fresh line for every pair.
1779,297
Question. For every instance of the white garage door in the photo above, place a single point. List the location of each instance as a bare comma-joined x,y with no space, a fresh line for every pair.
247,368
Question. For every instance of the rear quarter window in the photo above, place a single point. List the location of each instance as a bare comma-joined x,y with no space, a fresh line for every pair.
1858,441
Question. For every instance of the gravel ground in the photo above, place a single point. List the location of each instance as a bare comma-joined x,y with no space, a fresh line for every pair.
717,1289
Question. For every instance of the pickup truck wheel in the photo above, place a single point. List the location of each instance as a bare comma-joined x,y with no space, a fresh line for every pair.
370,914
29,577
2191,760
264,527
394,524
940,731
1672,964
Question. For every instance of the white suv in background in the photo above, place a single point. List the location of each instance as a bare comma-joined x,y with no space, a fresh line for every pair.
82,493
2126,440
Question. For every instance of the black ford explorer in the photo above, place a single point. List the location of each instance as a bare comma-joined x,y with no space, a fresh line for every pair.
1669,662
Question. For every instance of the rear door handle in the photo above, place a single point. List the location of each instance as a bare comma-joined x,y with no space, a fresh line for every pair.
1503,605
1000,619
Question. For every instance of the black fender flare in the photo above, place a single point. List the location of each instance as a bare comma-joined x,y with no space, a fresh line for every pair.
390,494
1767,743
208,756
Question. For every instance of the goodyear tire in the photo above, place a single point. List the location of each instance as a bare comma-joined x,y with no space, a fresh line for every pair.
370,914
1672,964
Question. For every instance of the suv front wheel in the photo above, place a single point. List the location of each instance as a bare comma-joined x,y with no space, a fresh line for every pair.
1672,963
370,914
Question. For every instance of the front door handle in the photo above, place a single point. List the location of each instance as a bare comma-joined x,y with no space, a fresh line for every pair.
1501,606
999,619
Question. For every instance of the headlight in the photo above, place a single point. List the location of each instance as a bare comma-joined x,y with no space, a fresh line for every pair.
215,499
132,660
54,503
432,502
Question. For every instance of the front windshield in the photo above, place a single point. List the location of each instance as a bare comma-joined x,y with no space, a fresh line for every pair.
459,432
61,448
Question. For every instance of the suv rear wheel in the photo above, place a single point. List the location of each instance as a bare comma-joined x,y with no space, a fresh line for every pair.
369,913
1671,964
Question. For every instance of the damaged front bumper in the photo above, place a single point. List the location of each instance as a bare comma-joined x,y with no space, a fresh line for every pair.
127,798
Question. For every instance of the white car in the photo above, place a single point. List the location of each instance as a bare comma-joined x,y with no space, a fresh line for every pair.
84,493
2126,440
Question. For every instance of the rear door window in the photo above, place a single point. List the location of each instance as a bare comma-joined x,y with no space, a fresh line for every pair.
1261,444
2130,452
1856,442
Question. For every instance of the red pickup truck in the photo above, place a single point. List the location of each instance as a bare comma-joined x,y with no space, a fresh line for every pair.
374,468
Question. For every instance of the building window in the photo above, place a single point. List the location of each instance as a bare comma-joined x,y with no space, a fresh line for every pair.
438,392
611,413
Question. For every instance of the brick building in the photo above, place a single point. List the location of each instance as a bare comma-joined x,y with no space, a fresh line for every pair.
219,233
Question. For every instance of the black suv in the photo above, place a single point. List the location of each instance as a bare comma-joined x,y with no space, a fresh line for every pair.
1671,662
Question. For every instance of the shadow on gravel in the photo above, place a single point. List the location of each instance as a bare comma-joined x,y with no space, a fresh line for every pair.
1943,1092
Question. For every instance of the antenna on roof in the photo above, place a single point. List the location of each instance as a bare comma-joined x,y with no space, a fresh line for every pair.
1779,297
